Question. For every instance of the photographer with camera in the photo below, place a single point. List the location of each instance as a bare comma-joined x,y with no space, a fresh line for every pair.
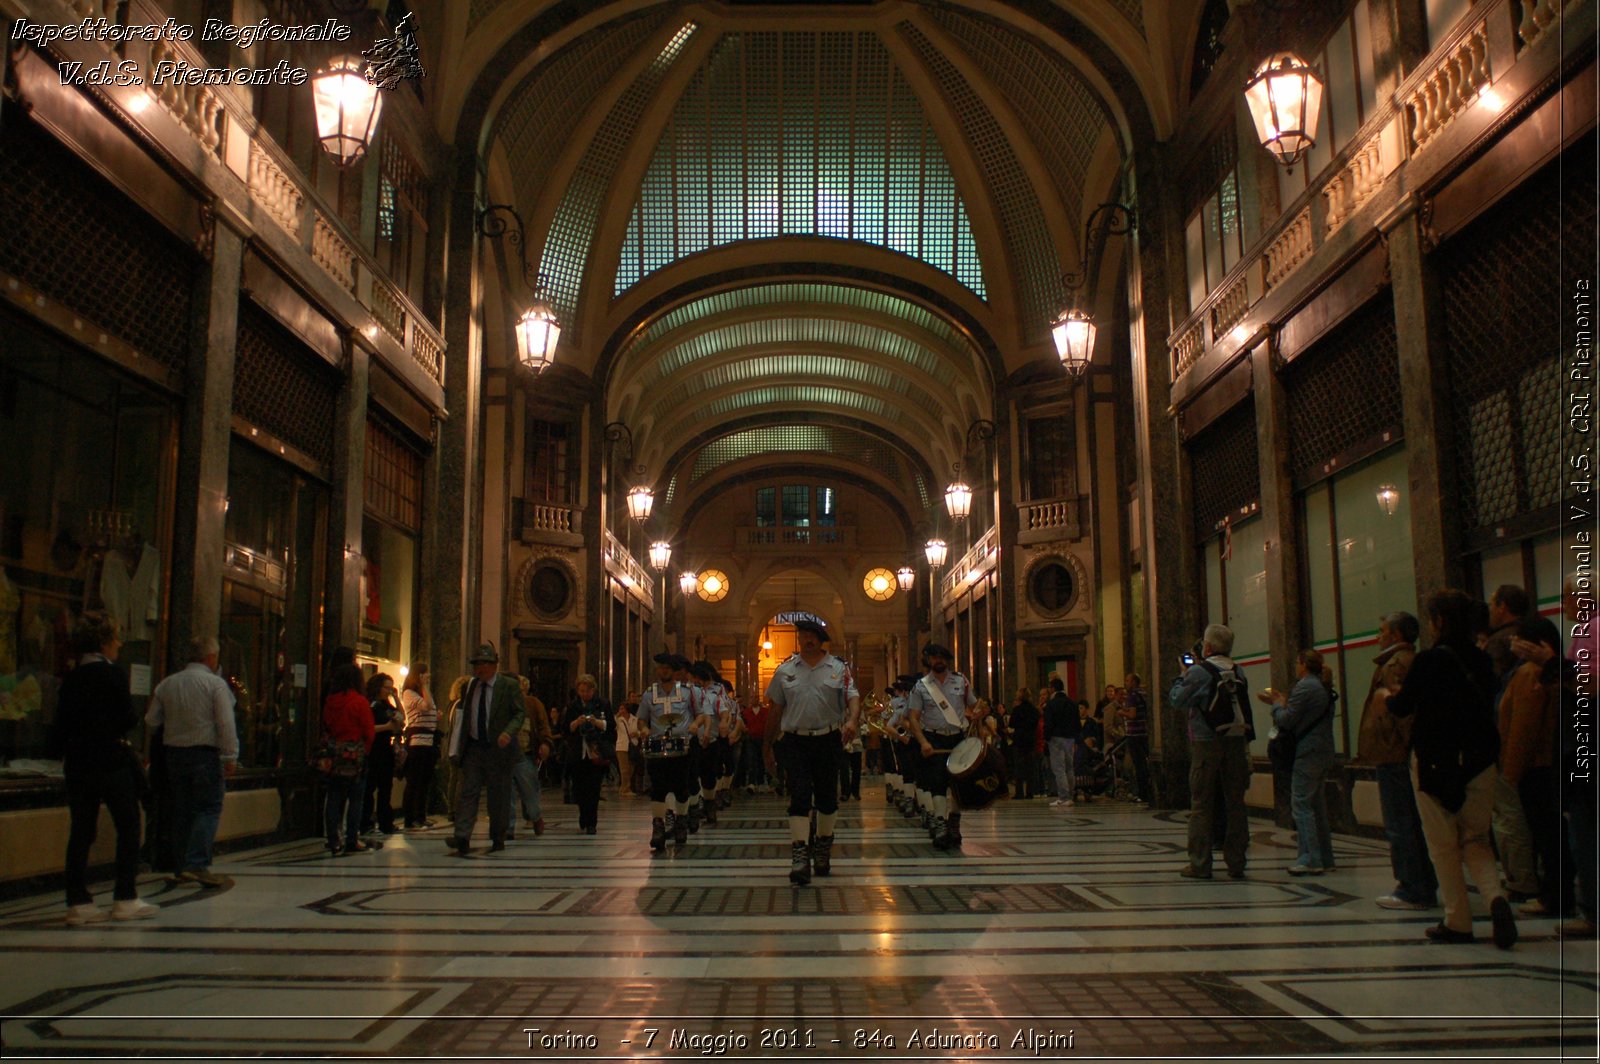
592,730
1212,691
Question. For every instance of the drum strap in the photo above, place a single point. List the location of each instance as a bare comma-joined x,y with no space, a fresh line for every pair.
951,718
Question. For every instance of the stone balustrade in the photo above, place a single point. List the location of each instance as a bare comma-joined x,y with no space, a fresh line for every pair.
333,252
196,107
1355,183
275,191
1290,248
1188,347
621,564
774,538
983,556
387,309
542,518
1229,307
1537,18
1450,87
1052,519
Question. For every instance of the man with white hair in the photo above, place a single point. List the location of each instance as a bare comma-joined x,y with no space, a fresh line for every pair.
194,707
1219,753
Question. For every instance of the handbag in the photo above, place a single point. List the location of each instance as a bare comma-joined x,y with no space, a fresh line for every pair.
342,760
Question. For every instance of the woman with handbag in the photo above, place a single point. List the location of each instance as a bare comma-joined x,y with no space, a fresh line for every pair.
422,748
1306,716
93,715
591,730
348,727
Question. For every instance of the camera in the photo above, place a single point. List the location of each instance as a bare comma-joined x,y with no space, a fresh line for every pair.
1187,659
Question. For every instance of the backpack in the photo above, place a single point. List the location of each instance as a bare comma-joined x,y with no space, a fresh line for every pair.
1227,692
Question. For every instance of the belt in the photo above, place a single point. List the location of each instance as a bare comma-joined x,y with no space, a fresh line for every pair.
945,734
814,731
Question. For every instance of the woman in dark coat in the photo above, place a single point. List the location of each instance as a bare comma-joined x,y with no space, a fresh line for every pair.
591,731
1450,690
94,715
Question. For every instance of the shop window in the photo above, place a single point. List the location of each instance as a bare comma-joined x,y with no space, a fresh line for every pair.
1356,542
82,522
1052,458
271,605
1235,570
547,463
388,595
393,478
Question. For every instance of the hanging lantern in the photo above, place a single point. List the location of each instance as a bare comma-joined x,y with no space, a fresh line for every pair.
1285,98
688,583
937,551
660,555
1073,333
538,332
958,500
641,499
1389,500
906,577
347,107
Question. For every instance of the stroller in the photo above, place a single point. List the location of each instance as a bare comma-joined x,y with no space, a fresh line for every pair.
1099,774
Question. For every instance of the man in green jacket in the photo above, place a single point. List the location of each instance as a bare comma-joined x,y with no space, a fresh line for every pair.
483,745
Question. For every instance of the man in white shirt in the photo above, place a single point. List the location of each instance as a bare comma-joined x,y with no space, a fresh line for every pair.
194,709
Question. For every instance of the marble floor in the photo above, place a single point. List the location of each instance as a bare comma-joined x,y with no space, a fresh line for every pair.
1053,934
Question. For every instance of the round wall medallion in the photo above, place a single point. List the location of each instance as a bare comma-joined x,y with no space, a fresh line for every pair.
548,589
1054,584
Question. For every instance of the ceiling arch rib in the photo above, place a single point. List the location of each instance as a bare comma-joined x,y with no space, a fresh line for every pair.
798,133
841,442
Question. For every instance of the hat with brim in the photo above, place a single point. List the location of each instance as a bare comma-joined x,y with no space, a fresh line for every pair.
701,670
936,650
816,628
486,654
666,658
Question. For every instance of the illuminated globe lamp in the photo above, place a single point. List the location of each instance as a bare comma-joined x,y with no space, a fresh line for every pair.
958,500
1389,499
641,499
347,107
906,577
538,332
1073,333
937,551
1285,99
688,583
660,555
879,584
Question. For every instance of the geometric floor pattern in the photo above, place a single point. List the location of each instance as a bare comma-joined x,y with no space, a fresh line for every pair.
1051,936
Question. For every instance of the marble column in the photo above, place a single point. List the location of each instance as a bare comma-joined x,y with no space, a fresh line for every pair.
205,437
1285,638
449,557
1004,602
346,552
1425,404
1167,535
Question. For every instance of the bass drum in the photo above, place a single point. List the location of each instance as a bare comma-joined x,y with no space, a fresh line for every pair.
977,773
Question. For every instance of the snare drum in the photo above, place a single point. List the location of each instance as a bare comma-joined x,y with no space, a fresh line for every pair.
660,746
977,773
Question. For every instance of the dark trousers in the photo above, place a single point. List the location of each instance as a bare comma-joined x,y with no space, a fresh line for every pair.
1139,751
850,773
670,776
485,766
420,764
341,815
194,774
1026,772
709,766
586,779
1219,771
86,790
752,769
934,773
1539,790
377,808
811,764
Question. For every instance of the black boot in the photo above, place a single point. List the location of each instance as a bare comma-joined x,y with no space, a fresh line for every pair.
953,829
680,830
940,834
710,813
799,864
822,854
658,834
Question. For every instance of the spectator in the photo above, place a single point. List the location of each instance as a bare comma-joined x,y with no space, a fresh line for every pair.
1530,710
624,746
535,741
346,718
1385,744
591,731
377,812
1136,722
1089,750
422,745
1513,840
1060,736
1219,756
93,715
482,735
1024,726
1450,691
195,707
1307,714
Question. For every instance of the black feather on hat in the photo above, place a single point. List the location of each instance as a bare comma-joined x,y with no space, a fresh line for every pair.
816,628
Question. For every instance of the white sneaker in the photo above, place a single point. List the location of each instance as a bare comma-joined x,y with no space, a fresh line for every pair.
133,909
1059,802
1394,901
86,914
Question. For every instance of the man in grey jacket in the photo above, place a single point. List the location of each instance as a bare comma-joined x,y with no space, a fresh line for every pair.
1219,758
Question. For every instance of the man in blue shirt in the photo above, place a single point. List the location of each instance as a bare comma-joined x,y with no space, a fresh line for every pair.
1219,757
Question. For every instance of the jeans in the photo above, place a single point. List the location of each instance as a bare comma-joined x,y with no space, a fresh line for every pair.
1540,792
524,787
754,766
1408,851
119,790
1218,766
1308,803
194,775
343,810
1139,752
484,766
1061,766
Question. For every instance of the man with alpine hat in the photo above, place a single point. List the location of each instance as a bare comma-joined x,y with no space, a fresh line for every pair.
936,712
484,748
708,760
821,711
669,776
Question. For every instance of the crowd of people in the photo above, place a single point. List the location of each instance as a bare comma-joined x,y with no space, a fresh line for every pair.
1464,739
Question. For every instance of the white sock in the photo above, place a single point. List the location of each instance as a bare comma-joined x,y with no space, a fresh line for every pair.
825,823
800,829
